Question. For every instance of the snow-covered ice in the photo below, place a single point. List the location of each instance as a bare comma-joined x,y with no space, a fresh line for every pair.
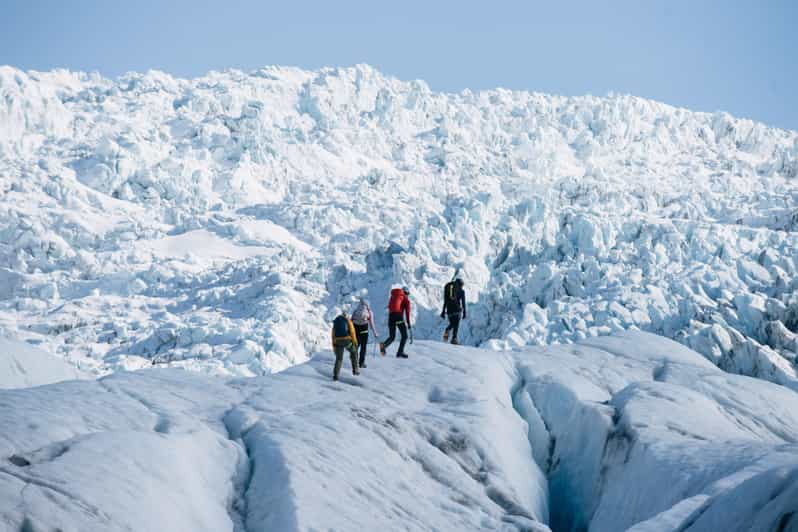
630,430
23,365
214,224
644,432
211,223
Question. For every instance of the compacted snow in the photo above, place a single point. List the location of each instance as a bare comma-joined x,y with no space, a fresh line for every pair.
212,223
22,366
626,431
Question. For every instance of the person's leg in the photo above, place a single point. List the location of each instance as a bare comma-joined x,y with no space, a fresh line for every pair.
353,357
403,331
455,320
362,333
339,358
391,332
364,348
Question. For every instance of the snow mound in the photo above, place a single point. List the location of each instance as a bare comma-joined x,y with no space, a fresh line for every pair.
629,431
22,366
637,432
210,223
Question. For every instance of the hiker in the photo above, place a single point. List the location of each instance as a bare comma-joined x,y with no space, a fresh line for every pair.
343,337
454,306
398,316
362,318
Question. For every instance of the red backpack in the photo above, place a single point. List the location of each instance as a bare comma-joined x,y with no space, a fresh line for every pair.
396,303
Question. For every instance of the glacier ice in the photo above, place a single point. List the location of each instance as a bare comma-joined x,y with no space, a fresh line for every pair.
628,431
179,220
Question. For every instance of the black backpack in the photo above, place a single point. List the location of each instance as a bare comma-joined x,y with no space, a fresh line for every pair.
341,327
450,293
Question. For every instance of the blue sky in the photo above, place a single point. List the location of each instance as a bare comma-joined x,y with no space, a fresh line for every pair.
736,56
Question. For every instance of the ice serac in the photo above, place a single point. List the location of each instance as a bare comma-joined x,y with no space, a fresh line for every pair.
630,431
210,223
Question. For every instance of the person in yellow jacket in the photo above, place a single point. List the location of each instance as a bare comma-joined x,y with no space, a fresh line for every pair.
344,337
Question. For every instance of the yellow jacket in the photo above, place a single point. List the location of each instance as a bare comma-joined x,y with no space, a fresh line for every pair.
352,336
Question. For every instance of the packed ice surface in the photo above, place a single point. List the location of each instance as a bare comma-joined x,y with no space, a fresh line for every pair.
644,434
23,366
213,223
630,431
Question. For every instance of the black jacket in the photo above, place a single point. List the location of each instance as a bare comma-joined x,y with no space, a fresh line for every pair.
453,299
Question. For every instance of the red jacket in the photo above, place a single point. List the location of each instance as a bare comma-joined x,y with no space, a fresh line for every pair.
399,303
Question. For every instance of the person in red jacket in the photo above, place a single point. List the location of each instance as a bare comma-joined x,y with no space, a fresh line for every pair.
398,317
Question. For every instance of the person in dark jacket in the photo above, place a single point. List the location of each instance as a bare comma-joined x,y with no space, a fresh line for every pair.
398,317
454,307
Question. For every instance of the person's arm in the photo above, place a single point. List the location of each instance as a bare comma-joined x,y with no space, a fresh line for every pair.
332,337
352,334
407,312
443,310
463,302
371,321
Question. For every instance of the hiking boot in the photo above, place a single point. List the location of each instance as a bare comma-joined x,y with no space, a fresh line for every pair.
455,341
382,349
335,377
445,336
363,365
355,372
401,355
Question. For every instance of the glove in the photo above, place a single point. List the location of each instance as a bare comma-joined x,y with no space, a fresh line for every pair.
442,315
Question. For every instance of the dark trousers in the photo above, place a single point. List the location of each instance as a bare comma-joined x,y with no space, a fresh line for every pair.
362,332
454,324
338,348
396,320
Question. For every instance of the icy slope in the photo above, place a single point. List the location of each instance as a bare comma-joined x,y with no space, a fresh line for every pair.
22,366
405,447
212,222
631,430
643,432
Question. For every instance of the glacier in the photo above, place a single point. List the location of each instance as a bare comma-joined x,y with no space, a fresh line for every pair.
213,223
630,269
628,431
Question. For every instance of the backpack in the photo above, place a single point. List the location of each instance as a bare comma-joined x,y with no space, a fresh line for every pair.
397,300
451,293
361,315
341,327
